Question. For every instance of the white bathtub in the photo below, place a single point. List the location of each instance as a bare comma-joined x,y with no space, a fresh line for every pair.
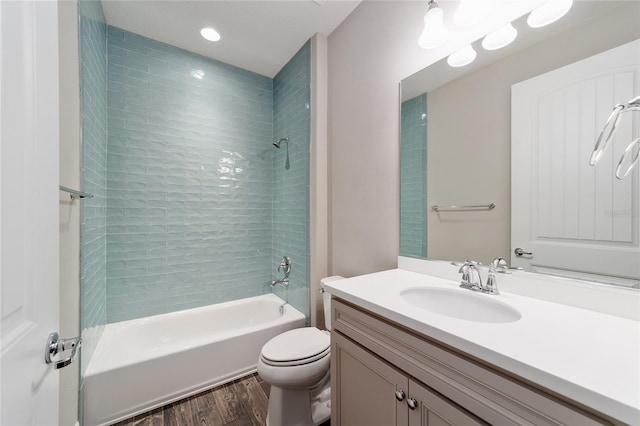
142,364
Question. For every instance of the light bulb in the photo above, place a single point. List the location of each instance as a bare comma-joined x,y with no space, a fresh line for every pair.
462,57
434,33
210,34
500,37
471,12
549,12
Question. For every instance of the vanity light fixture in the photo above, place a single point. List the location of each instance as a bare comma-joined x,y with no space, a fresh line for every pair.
210,34
471,12
462,57
548,12
434,33
500,38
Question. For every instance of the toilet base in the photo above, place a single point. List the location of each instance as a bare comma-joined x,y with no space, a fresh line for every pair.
299,407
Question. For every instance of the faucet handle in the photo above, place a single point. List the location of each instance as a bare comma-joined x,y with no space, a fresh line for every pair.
285,266
464,270
470,271
499,261
491,287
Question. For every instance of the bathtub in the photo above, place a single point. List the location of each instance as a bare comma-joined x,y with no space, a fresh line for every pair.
145,363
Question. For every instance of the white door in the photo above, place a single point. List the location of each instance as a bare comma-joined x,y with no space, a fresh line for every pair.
28,210
574,219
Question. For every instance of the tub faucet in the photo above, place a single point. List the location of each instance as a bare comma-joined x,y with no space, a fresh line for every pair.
284,266
284,281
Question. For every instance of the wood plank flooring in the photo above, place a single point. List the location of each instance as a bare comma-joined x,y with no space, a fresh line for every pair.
243,402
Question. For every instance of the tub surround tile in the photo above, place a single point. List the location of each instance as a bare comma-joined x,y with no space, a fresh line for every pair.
291,97
413,192
93,174
190,171
194,206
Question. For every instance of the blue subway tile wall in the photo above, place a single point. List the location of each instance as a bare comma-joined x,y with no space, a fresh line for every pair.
190,177
93,89
413,177
291,100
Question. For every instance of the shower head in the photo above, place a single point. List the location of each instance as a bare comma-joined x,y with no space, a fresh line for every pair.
279,141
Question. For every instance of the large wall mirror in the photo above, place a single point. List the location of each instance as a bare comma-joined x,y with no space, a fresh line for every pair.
517,125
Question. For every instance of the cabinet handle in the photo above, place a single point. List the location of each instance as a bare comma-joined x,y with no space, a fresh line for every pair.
400,395
412,403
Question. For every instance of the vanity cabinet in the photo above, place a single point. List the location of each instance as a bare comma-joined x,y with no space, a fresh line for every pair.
370,392
377,366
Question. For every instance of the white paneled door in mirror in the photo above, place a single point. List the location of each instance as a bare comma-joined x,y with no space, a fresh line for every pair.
576,220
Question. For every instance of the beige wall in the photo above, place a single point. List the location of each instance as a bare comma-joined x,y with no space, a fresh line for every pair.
69,210
319,179
469,149
369,54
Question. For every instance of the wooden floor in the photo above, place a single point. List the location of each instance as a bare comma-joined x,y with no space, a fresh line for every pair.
243,402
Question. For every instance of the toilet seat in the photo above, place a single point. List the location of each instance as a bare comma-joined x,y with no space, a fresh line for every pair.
296,347
296,362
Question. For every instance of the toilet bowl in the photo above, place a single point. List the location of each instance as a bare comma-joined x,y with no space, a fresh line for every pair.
296,364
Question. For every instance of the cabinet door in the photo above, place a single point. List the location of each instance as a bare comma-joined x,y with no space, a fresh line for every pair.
431,409
364,387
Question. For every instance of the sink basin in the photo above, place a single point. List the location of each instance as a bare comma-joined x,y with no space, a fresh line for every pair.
461,304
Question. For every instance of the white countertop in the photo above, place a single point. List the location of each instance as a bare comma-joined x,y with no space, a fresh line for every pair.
590,357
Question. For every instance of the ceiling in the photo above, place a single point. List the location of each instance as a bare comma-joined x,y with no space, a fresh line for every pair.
257,35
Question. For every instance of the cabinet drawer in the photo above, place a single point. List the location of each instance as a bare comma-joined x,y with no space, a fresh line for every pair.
492,395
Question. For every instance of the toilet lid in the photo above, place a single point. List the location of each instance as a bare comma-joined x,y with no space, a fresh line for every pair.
294,345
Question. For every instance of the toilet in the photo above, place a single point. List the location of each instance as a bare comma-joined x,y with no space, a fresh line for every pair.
296,365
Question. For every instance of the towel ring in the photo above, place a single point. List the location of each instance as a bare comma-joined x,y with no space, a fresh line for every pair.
609,130
606,135
627,151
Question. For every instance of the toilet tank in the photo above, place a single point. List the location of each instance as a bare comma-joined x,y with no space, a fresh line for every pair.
326,299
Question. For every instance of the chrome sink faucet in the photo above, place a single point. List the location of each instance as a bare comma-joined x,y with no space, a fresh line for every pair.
472,280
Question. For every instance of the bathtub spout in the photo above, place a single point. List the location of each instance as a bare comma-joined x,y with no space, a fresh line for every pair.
284,281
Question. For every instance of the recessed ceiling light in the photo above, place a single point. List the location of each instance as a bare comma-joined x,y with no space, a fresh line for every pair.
210,34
